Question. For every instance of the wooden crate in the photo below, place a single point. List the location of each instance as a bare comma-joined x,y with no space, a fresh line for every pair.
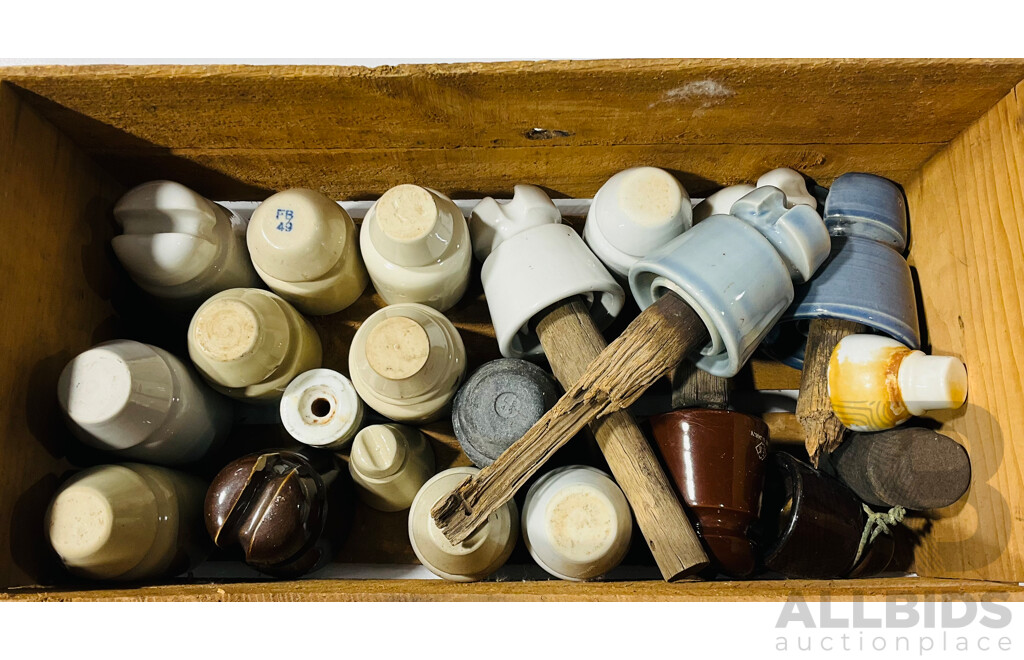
72,139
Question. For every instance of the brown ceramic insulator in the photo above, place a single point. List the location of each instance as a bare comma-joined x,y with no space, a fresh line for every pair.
716,459
811,524
275,506
915,468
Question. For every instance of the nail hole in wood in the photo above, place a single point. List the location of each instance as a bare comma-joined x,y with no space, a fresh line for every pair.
545,134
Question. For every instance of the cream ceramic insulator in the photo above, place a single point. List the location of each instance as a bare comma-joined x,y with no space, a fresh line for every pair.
406,362
176,244
128,522
720,203
416,247
481,554
876,383
633,213
320,408
576,523
532,262
787,180
303,245
250,343
389,463
790,182
140,402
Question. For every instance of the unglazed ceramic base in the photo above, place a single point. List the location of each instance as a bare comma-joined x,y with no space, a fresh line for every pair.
415,243
406,362
250,343
576,523
127,522
634,212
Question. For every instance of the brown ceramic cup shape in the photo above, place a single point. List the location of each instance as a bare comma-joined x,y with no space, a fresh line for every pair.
812,525
716,458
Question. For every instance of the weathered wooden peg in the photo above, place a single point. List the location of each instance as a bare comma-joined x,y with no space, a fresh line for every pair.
693,387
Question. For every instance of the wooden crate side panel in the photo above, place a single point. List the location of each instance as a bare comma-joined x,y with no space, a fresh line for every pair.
549,590
55,297
967,247
512,104
468,172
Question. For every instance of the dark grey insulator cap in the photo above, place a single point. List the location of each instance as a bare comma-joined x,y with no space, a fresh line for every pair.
499,402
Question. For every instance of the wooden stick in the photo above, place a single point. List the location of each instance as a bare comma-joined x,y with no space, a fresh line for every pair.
696,388
571,342
650,346
823,432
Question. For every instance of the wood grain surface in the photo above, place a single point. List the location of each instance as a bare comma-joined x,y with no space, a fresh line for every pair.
967,252
479,128
58,284
550,590
822,429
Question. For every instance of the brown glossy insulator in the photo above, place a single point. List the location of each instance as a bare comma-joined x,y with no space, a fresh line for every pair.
281,507
716,459
811,525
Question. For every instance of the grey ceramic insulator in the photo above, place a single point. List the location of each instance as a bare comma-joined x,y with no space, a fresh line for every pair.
867,206
865,279
498,404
